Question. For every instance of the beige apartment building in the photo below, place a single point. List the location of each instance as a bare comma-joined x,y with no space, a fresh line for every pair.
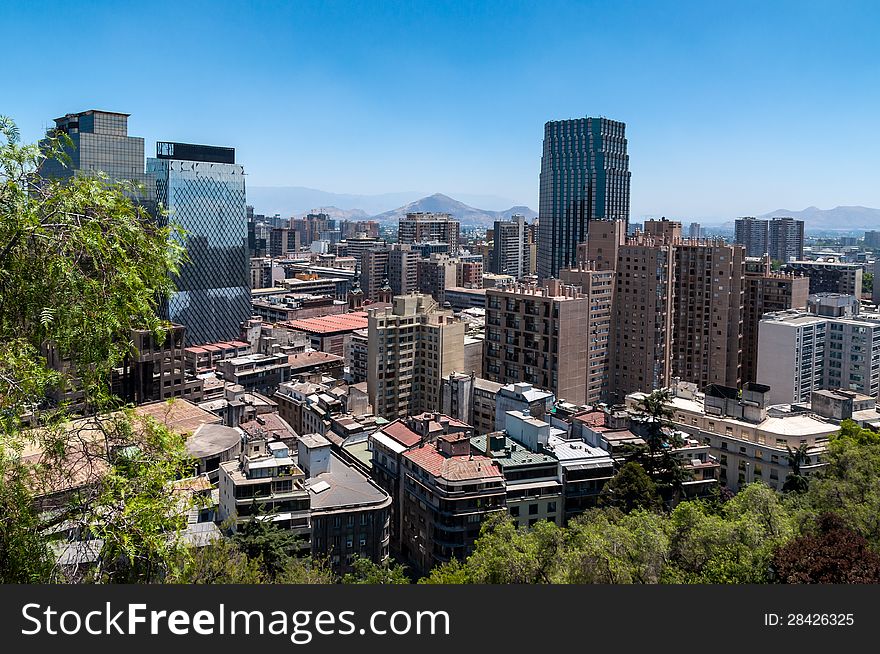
707,308
412,345
641,331
538,335
598,287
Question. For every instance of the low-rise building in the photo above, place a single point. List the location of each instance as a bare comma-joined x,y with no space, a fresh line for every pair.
748,436
265,480
331,333
349,512
257,372
533,480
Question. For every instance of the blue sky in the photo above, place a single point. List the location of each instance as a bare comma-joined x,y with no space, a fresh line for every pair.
732,108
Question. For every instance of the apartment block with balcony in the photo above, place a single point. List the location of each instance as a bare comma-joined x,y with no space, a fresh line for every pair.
766,291
412,345
707,312
426,226
598,287
538,335
265,479
447,492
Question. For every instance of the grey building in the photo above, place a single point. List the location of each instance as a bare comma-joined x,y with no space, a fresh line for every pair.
509,251
203,190
753,234
584,175
786,239
101,144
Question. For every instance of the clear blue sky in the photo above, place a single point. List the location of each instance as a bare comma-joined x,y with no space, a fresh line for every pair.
732,108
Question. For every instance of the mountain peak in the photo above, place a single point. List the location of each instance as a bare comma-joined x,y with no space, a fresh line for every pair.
467,215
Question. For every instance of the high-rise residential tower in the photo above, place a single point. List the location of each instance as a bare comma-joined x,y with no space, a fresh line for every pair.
539,335
203,190
510,248
584,176
753,234
412,346
428,226
786,239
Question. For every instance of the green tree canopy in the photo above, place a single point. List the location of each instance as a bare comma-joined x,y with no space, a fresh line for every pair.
631,488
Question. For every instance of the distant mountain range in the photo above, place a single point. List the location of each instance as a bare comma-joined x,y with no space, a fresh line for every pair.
838,218
467,215
299,200
336,213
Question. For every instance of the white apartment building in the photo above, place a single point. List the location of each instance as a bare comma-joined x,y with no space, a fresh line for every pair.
800,352
749,436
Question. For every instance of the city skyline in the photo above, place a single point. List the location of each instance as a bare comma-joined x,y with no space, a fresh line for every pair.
341,99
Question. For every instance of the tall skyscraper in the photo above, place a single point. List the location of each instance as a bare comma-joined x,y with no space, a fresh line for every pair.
584,176
695,230
203,190
101,144
753,234
786,239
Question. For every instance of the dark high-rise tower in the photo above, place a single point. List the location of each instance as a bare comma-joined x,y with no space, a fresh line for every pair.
584,175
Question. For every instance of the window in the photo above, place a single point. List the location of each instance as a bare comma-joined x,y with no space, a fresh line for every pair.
551,507
533,509
514,511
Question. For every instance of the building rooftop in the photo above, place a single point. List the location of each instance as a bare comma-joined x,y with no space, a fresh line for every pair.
305,360
343,487
314,440
486,385
216,347
341,322
510,454
570,451
784,423
453,468
270,424
180,416
211,440
528,392
401,433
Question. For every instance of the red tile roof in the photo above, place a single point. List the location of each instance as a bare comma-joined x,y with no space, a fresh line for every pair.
453,468
340,322
592,418
402,434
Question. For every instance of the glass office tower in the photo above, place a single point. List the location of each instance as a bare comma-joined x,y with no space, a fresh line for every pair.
101,145
584,175
203,191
